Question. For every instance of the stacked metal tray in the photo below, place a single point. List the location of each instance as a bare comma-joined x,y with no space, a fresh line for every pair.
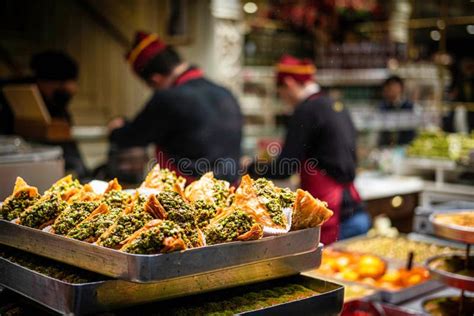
85,298
394,296
461,234
159,267
328,299
140,279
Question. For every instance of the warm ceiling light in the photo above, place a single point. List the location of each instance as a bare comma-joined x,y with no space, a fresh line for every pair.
250,7
435,35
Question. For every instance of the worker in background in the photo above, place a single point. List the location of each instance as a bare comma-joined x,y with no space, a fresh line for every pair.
195,124
55,74
393,102
320,144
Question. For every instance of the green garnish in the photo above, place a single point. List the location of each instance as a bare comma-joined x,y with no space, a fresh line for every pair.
274,199
63,186
94,227
44,210
205,212
124,226
72,216
229,228
12,207
116,199
181,213
151,240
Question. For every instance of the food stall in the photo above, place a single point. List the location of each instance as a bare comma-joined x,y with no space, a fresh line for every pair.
82,262
420,274
149,242
87,247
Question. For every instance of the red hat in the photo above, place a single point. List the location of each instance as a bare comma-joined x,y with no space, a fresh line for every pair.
145,47
301,70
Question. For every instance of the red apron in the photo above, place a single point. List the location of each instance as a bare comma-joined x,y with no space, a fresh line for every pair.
326,188
161,157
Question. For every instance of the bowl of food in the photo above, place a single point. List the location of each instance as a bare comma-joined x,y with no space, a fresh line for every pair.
449,305
457,226
453,270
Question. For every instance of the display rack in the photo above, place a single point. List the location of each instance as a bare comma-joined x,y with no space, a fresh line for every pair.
439,166
358,89
440,268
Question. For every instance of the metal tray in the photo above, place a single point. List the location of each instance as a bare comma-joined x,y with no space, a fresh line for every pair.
372,293
151,268
346,245
329,301
67,298
453,232
452,279
397,297
393,297
378,309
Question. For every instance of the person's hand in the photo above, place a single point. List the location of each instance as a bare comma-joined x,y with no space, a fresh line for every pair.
115,123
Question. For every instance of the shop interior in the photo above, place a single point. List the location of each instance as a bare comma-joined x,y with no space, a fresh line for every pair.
413,159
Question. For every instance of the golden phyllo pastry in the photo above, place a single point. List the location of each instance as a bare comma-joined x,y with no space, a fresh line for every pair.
235,225
22,197
207,195
309,211
263,200
66,187
157,236
134,218
161,179
43,212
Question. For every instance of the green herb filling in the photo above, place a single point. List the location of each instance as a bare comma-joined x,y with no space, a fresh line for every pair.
43,211
73,215
151,240
229,228
12,208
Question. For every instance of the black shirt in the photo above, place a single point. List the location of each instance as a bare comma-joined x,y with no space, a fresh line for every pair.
197,123
319,130
390,138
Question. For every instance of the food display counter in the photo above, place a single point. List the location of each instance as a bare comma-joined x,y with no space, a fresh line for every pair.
71,252
392,195
67,289
447,257
76,250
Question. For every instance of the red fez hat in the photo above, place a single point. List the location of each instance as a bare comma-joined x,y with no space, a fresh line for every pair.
301,70
145,47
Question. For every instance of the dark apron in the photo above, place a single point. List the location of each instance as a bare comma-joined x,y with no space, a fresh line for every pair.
342,198
161,156
338,196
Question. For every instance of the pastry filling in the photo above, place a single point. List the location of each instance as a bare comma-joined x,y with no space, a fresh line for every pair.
229,227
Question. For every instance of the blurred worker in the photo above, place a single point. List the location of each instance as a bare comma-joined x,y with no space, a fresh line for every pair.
393,102
321,144
195,124
55,74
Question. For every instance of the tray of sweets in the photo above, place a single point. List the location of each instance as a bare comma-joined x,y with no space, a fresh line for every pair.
157,267
97,293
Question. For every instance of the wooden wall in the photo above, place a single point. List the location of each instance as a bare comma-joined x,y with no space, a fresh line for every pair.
107,85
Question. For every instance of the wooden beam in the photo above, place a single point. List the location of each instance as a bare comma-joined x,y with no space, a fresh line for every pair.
102,20
432,22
